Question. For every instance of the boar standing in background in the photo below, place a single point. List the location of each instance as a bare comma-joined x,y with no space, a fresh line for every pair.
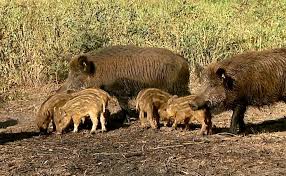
253,78
123,71
149,101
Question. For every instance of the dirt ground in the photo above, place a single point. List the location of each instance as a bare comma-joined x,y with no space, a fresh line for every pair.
130,150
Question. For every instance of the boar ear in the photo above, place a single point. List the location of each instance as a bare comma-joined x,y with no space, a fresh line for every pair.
228,81
68,57
220,73
85,65
198,69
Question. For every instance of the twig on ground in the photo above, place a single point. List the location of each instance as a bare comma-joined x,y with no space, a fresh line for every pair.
226,134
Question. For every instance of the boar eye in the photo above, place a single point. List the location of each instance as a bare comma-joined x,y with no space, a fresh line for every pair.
228,83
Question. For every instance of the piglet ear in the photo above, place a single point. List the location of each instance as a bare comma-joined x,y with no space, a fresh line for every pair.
68,57
198,69
85,65
172,99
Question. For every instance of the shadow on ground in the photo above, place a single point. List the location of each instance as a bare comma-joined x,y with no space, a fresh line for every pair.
9,122
268,126
12,137
113,122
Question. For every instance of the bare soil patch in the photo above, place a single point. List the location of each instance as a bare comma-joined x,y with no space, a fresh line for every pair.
130,150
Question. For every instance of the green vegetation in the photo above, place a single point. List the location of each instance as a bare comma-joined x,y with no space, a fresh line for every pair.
36,35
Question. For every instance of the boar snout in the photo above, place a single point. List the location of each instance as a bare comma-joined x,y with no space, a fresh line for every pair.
61,89
199,104
194,106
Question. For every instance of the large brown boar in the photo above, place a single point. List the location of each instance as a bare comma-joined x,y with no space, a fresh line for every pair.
252,78
46,112
78,109
148,101
178,110
123,71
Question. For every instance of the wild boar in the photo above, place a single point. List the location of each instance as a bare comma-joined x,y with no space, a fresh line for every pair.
46,112
96,91
254,78
178,111
149,101
79,108
123,71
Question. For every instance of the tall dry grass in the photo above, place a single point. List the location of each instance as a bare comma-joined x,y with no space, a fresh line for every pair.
36,35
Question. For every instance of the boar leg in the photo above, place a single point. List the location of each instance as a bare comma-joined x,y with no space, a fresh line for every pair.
94,119
123,103
206,127
237,123
142,119
203,129
209,124
76,122
175,124
151,118
165,123
102,122
54,125
83,120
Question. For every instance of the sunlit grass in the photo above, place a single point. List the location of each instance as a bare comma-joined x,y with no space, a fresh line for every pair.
36,35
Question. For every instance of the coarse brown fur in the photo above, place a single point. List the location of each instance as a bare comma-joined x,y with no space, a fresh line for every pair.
46,112
79,108
178,111
252,78
149,101
123,71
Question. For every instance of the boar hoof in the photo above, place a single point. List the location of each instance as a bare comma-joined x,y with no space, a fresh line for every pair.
210,132
144,126
92,131
154,127
234,130
58,132
103,130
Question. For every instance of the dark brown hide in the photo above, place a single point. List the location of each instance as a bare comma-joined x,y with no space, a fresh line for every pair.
252,78
125,70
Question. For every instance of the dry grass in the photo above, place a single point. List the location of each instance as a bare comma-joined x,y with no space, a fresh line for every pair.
36,36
